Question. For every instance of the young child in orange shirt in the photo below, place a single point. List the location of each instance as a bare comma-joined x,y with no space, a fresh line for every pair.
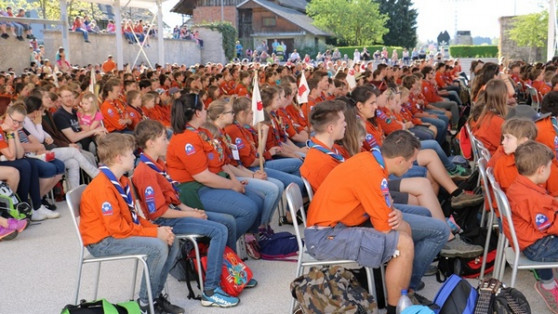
534,215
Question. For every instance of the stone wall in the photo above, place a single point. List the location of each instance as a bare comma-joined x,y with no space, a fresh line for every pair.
16,54
508,48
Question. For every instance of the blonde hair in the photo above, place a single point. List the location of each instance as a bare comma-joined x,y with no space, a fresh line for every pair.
94,106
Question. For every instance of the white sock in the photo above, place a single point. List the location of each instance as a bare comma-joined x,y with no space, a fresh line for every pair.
549,285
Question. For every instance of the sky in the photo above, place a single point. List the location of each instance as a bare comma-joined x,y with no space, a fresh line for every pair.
478,16
434,16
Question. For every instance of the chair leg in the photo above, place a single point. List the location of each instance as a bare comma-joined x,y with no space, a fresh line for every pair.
148,286
198,261
80,267
97,281
383,270
489,223
371,282
135,273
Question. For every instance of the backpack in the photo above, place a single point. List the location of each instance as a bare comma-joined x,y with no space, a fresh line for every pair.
456,296
495,298
234,273
331,289
464,267
11,206
465,144
102,307
280,246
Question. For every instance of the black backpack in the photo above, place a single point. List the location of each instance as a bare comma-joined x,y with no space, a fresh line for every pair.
456,296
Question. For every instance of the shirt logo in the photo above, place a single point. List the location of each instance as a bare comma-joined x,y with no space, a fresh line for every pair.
210,156
110,112
106,209
385,192
239,143
189,148
542,221
132,114
150,199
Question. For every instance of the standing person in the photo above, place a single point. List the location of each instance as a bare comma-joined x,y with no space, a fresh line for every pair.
161,204
356,56
238,47
109,65
109,224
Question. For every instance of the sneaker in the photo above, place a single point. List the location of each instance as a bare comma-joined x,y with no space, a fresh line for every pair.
251,284
459,248
219,299
459,173
48,204
38,215
466,200
18,225
20,38
144,309
252,248
420,286
87,41
7,234
5,36
550,297
166,307
48,213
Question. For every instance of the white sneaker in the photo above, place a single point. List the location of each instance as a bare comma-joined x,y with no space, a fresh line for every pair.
38,215
48,213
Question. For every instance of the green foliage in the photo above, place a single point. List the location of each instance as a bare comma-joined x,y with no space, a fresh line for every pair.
471,51
402,23
229,36
350,50
359,22
530,31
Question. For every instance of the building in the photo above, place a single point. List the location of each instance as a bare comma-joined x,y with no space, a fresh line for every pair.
260,20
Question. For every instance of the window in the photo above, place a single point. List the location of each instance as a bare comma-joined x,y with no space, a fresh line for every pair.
269,21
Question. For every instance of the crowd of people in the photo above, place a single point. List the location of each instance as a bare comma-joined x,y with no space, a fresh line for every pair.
190,132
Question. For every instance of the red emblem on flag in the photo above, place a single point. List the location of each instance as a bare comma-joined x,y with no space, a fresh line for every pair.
301,90
260,106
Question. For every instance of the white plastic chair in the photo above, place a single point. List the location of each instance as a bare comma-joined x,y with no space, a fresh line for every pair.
294,200
513,255
73,199
309,189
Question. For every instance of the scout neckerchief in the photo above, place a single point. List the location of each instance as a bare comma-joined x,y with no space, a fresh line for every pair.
152,165
384,187
278,124
226,140
116,104
247,137
125,193
215,143
335,155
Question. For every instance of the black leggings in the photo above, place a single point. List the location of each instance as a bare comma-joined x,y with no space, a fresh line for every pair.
28,181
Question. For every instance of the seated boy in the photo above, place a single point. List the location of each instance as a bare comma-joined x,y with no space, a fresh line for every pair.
534,214
109,224
161,204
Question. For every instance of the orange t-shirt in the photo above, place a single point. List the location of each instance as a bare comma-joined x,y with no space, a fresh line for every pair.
430,92
541,87
108,66
547,135
374,136
489,131
136,115
318,164
241,90
353,192
104,213
298,117
189,154
245,142
387,120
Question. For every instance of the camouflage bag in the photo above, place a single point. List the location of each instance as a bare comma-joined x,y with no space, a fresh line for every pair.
331,290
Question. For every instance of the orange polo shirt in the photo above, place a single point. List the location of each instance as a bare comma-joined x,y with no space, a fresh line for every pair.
374,136
353,192
489,131
113,110
104,213
317,165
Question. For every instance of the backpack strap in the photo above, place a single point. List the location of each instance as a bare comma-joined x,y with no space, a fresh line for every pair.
446,290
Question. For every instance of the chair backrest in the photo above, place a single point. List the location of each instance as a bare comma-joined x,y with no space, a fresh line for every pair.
474,142
73,199
308,188
483,151
295,203
504,209
482,162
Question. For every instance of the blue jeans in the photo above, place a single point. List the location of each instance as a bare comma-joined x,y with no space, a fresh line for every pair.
84,32
414,172
238,205
29,181
441,127
453,107
160,258
213,230
429,144
544,250
412,209
48,169
422,133
429,236
270,191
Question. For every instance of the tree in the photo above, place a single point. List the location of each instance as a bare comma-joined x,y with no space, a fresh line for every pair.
359,22
402,23
50,10
530,31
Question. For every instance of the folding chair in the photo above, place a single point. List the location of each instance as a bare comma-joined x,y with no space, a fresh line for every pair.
308,190
490,223
294,200
73,199
481,152
513,255
535,98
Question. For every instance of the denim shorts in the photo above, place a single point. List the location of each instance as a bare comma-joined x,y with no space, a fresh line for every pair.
367,246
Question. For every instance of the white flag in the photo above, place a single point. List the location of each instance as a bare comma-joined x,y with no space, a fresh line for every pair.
93,81
257,105
303,90
351,79
55,75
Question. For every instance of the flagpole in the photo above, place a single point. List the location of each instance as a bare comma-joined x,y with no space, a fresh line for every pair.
261,146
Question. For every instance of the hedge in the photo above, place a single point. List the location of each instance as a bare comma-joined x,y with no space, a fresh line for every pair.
469,51
350,50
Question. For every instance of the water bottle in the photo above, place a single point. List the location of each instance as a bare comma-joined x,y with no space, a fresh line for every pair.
403,303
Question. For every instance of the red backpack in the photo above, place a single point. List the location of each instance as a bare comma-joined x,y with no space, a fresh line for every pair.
465,144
